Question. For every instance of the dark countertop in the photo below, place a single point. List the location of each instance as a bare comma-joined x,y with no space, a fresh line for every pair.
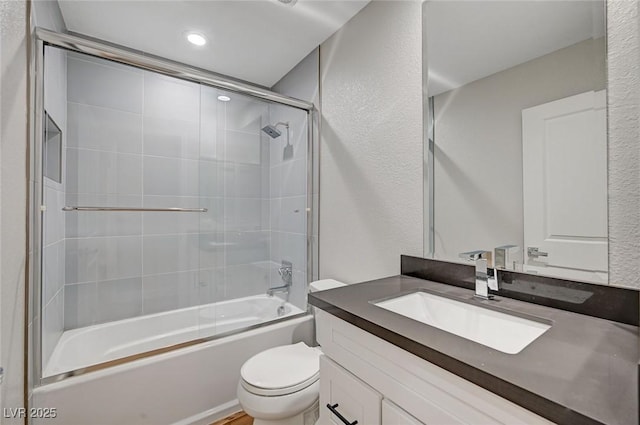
581,371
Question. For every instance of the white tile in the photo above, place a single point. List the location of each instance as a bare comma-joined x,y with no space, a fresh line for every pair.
167,97
91,83
299,290
243,214
293,215
212,249
81,224
105,62
275,215
212,220
246,247
170,291
275,182
52,325
290,247
51,272
243,181
170,176
212,128
211,180
211,285
293,178
53,218
245,114
93,127
118,299
265,216
297,135
159,223
245,280
172,138
80,305
98,172
170,253
104,258
242,148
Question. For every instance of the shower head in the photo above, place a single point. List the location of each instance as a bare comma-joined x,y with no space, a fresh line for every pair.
272,131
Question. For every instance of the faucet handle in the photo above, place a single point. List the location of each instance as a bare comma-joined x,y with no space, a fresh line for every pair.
478,255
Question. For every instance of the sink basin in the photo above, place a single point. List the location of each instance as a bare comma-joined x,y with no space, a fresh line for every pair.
500,331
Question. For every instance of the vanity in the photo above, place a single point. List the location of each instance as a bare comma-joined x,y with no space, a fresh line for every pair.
381,367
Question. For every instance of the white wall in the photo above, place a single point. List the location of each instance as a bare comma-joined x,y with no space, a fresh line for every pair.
624,146
478,157
13,199
371,143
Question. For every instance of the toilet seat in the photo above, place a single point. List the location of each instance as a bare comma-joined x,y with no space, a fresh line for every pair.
281,370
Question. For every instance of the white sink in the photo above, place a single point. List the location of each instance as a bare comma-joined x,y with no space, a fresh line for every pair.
500,331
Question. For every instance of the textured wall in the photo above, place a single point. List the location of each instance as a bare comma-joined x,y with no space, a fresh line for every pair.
624,143
13,198
371,143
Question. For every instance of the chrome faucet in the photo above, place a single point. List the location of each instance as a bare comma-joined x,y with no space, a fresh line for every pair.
286,274
486,277
278,289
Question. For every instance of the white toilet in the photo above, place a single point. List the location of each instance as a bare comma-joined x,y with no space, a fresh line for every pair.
280,386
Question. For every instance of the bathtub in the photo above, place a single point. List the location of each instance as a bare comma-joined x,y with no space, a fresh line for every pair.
191,385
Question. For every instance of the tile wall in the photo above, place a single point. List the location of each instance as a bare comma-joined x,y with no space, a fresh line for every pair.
138,139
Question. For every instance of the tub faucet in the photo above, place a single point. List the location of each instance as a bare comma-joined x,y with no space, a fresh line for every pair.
486,277
286,273
278,289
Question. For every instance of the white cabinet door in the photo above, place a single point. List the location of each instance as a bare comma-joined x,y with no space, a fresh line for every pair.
393,415
342,394
564,147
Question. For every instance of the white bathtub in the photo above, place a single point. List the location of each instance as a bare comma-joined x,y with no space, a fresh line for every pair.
192,385
97,344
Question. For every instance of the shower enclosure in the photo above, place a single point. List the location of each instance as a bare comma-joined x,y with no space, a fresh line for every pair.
170,206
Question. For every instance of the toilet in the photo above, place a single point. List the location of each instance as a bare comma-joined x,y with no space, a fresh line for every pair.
280,386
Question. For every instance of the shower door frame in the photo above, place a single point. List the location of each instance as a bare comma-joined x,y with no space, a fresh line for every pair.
127,56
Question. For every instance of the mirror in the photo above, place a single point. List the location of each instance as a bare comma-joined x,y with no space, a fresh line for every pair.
517,95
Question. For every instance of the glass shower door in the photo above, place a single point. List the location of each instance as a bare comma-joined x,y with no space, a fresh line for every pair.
122,228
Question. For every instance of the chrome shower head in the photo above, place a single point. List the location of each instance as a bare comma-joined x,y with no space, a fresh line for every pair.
272,131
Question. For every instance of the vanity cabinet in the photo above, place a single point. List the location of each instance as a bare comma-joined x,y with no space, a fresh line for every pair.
347,396
375,382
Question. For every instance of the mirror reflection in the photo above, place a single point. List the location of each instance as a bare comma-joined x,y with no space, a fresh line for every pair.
518,97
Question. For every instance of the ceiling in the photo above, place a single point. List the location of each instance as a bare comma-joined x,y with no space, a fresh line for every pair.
469,40
253,40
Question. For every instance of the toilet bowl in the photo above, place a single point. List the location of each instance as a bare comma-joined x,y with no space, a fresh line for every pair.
280,386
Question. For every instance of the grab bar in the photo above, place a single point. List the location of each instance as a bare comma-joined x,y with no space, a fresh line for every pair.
134,209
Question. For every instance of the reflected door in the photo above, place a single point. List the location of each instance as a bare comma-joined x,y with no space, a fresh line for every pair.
565,189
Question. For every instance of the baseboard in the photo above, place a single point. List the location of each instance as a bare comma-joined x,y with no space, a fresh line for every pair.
209,416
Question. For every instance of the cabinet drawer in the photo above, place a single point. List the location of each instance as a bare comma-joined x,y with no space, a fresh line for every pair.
350,397
393,415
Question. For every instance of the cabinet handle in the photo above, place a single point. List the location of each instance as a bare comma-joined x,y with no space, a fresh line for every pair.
342,418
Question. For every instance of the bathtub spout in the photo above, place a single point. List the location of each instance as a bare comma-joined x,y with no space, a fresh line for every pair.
278,289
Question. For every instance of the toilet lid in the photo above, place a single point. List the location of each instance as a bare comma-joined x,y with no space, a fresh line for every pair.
282,367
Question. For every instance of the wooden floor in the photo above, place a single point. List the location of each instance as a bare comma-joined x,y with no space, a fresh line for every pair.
239,418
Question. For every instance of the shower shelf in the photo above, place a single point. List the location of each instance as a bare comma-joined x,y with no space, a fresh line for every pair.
123,209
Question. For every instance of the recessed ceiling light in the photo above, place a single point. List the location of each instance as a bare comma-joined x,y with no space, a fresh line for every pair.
224,98
197,39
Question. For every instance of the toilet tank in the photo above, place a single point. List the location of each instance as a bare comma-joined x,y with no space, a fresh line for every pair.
324,284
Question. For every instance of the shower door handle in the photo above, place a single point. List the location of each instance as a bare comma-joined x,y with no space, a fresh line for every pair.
132,209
